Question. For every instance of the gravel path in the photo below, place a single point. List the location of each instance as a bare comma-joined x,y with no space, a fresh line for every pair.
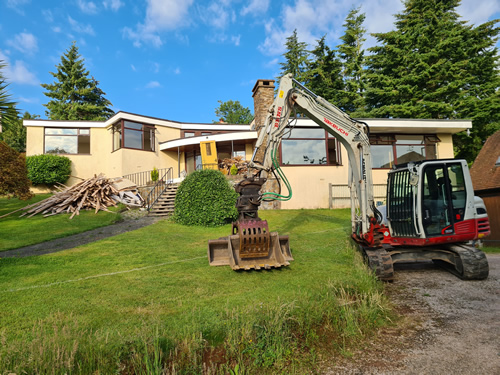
450,326
128,224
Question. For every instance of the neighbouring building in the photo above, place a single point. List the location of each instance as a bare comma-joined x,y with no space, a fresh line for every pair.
485,174
314,162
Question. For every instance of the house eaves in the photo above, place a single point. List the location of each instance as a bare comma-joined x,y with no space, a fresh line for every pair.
407,126
182,142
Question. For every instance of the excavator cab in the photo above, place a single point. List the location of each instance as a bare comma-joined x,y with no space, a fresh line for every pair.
432,214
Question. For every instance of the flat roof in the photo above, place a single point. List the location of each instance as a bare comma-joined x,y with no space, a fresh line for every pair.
182,142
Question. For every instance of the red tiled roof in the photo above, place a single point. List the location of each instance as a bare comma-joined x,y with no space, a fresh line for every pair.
483,172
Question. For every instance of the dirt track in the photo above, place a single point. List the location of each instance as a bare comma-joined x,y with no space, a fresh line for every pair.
451,326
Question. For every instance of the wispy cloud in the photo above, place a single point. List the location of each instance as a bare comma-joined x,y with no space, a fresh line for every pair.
153,85
161,16
114,5
17,72
24,42
17,5
88,7
80,28
256,7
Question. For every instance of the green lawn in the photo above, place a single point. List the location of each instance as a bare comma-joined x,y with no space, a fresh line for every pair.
147,300
17,232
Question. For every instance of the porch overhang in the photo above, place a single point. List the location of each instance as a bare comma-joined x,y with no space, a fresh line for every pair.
184,144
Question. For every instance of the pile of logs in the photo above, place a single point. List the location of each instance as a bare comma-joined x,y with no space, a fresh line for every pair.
226,164
96,193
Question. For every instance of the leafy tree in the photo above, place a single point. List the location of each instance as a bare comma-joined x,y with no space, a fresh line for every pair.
436,66
8,110
296,58
233,112
323,73
351,54
13,173
75,95
14,133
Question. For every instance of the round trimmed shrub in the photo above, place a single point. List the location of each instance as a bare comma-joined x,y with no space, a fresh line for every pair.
48,169
205,198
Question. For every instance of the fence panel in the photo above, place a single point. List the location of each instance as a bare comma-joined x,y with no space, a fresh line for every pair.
340,195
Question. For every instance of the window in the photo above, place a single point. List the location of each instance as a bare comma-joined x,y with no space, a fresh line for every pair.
67,141
388,150
307,146
128,134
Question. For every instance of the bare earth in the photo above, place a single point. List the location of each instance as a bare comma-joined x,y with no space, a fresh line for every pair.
450,326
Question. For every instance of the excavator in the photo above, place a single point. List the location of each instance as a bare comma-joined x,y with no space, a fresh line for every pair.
431,212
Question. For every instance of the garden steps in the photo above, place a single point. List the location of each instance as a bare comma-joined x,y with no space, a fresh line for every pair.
164,206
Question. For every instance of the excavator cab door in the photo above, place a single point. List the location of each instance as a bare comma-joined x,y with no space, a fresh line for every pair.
443,198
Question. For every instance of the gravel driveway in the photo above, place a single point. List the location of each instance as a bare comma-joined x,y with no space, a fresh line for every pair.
450,326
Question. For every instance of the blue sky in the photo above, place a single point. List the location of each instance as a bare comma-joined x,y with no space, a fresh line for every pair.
175,59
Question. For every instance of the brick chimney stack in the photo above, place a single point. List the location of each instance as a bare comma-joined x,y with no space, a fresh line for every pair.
263,97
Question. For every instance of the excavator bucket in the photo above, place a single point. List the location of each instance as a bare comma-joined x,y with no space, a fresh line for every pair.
250,247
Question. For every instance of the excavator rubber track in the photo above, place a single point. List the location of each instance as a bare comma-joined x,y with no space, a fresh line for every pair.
380,261
470,264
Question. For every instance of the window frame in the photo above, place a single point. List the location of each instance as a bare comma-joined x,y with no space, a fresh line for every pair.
77,136
428,140
120,127
326,138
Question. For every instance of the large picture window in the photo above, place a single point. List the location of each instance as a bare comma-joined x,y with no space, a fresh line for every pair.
128,134
388,150
306,146
67,141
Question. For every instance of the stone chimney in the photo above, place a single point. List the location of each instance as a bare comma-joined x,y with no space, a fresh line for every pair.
263,97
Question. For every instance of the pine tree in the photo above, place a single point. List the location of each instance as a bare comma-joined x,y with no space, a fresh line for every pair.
296,58
436,66
323,73
352,56
75,95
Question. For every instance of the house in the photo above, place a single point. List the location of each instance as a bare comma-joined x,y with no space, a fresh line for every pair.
314,162
485,174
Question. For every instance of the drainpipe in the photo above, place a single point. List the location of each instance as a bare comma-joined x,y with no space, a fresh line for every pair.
178,162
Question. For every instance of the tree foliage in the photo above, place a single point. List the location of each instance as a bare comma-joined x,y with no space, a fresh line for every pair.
48,169
352,57
75,95
233,112
13,174
14,133
8,111
436,66
205,198
296,58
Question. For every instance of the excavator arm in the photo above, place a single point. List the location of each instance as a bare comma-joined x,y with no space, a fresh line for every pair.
352,134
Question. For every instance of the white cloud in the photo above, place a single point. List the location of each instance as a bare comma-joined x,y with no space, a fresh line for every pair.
161,15
56,29
88,7
177,71
47,14
132,66
478,12
24,42
114,5
153,85
18,72
17,5
80,28
256,7
217,14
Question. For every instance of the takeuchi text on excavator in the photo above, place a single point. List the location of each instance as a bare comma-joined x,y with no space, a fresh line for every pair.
431,212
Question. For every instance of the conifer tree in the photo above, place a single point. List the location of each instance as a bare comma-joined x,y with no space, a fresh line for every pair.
75,95
296,58
352,56
323,74
436,66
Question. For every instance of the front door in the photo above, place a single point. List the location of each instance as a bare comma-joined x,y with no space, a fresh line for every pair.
209,155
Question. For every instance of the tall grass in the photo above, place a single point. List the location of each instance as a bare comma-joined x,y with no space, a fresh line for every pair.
191,318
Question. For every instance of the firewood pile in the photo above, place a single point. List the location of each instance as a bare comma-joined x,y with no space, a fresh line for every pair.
96,193
226,164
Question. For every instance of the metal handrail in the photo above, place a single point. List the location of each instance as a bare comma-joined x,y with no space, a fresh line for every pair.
143,178
160,187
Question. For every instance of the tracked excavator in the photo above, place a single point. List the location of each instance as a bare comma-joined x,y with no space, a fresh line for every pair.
431,212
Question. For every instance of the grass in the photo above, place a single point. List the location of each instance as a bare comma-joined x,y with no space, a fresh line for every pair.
147,302
18,232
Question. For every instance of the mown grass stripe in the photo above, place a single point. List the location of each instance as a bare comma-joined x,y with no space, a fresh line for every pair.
101,275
